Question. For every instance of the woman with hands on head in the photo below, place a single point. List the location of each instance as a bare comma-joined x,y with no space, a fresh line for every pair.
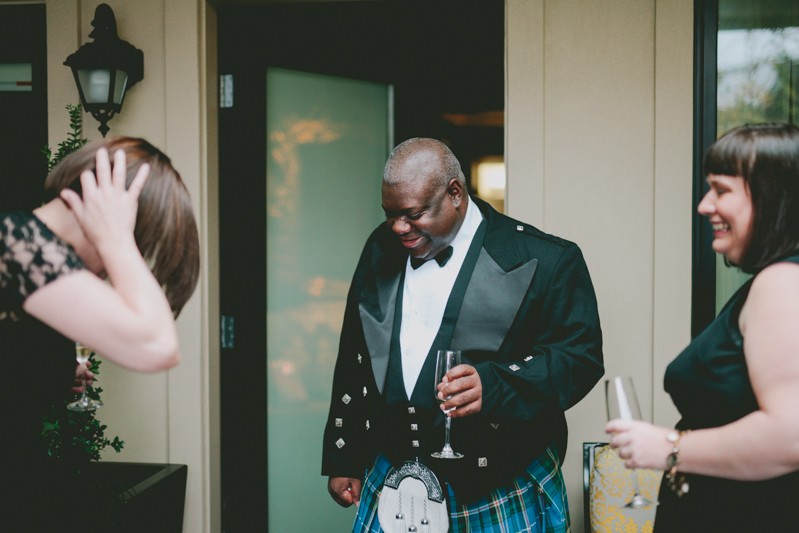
732,464
108,261
132,222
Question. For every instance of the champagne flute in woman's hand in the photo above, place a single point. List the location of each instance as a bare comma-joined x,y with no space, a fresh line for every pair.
446,360
84,403
623,403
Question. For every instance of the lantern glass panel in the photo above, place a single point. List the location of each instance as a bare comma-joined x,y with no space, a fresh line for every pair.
95,85
120,84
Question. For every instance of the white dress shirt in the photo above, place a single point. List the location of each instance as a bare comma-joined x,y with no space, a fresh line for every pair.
425,296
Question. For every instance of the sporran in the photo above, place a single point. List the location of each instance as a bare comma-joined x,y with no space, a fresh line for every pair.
412,501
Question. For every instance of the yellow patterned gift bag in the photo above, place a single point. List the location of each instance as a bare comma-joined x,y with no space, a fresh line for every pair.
611,487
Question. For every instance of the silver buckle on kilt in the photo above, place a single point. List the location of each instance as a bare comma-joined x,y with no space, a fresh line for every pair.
412,500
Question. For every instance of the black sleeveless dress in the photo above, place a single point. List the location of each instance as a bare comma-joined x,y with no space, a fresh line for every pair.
709,384
39,367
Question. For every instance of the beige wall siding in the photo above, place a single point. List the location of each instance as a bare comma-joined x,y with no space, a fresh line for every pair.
170,416
210,305
524,110
599,143
673,195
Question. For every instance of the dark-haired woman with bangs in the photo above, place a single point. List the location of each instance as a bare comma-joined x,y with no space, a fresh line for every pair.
107,261
732,464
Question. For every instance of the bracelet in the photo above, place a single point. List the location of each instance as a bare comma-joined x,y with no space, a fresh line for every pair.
675,480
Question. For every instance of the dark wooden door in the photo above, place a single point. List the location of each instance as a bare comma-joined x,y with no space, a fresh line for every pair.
23,113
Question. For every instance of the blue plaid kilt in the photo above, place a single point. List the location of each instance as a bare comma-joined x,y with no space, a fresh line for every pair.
532,503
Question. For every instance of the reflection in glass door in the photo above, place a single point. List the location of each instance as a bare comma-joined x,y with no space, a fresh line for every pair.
327,142
758,80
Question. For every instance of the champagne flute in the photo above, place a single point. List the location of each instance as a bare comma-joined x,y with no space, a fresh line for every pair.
446,360
83,403
623,403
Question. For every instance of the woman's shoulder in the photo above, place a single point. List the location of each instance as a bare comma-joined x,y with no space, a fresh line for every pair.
777,280
12,221
22,233
31,256
24,226
774,292
784,269
780,271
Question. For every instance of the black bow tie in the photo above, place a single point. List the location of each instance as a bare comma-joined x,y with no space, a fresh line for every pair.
441,258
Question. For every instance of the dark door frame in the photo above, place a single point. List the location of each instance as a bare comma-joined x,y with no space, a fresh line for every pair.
703,292
242,257
454,67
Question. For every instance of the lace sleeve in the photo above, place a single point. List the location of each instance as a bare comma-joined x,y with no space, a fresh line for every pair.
31,256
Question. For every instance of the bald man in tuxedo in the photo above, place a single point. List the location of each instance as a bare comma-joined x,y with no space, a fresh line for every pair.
447,271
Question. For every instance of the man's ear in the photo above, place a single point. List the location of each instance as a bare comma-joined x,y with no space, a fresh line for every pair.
455,191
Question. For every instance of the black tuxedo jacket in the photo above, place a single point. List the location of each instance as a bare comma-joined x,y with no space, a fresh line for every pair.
524,314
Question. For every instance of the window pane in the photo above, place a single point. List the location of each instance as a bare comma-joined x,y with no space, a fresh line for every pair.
758,80
16,77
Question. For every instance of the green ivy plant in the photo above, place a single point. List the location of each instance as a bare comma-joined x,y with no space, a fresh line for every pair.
77,437
75,138
72,436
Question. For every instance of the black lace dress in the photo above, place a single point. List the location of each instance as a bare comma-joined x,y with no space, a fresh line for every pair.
39,366
709,384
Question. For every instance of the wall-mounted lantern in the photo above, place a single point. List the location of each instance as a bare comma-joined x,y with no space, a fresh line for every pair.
105,69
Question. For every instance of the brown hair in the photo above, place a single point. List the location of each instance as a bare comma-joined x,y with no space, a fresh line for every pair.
166,231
